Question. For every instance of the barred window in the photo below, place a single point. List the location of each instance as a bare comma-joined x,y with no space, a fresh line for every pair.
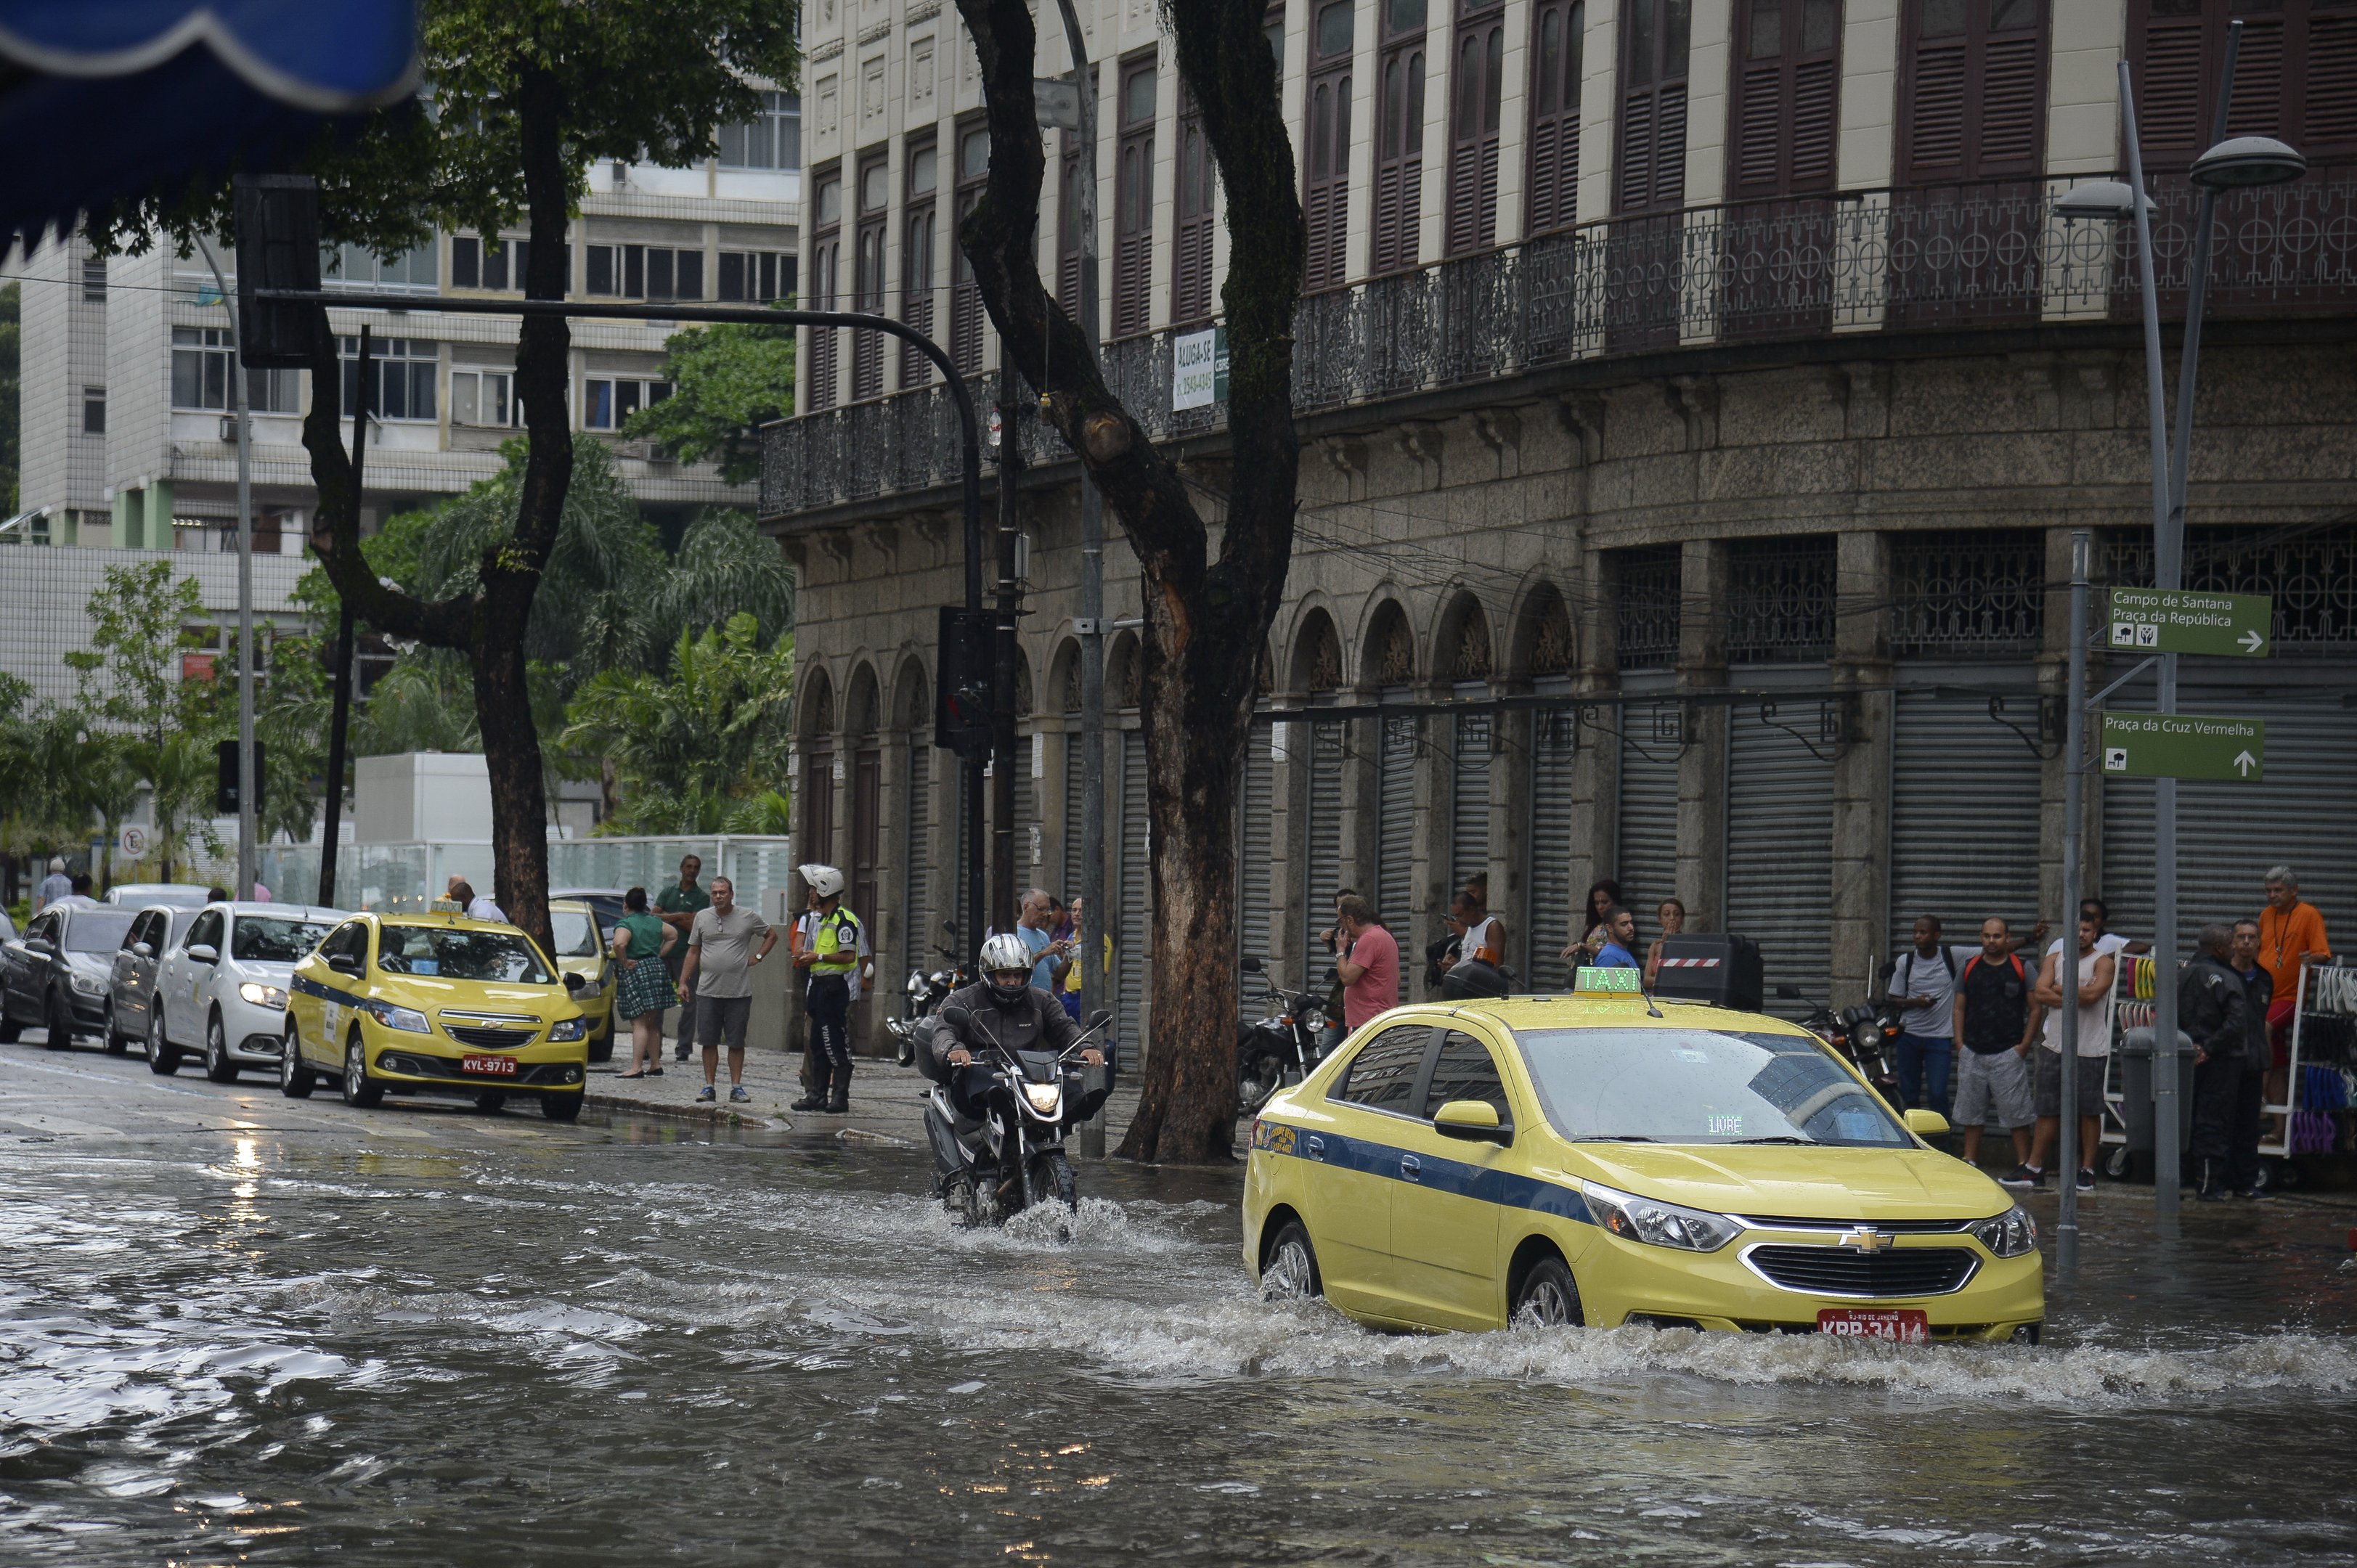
1780,600
2310,570
1980,590
1651,581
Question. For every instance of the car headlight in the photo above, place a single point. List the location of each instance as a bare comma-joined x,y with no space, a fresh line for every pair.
2008,1235
1044,1097
88,984
568,1029
263,995
407,1019
1634,1219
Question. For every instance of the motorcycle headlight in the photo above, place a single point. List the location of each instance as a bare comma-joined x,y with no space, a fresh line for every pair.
263,995
88,984
2008,1235
1634,1219
1867,1035
1044,1097
409,1020
569,1029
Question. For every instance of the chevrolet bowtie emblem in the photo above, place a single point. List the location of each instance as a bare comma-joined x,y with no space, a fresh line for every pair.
1866,1239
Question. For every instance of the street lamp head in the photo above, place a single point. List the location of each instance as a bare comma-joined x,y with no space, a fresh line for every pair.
2108,200
2248,160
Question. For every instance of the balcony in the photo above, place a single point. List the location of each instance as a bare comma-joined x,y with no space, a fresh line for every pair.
1919,260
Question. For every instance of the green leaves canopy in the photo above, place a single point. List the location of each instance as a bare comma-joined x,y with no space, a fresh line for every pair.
727,381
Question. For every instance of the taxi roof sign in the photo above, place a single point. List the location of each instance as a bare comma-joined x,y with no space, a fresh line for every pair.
1616,977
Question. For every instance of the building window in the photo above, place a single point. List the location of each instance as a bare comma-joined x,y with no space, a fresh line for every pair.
485,397
612,401
827,268
1653,105
93,411
1325,178
2296,78
1399,136
755,276
1554,114
94,279
402,371
1477,88
1787,80
772,139
202,363
965,296
1133,197
1190,249
867,278
489,264
646,272
356,266
1972,100
920,238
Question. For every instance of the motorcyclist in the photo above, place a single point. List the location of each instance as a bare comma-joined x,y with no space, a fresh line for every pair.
1002,1010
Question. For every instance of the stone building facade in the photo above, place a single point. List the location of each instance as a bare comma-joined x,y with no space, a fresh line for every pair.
1711,539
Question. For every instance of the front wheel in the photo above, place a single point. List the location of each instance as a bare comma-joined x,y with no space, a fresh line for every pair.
295,1080
219,1066
561,1107
361,1089
116,1042
60,1017
10,1028
1290,1271
1050,1180
163,1056
1548,1298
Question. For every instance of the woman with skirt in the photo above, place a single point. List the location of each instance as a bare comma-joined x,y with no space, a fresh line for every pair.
642,942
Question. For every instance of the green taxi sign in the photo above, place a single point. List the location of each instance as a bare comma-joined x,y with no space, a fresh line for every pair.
1614,977
2184,745
2185,620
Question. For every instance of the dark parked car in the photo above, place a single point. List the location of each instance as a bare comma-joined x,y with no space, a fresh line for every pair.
131,999
56,975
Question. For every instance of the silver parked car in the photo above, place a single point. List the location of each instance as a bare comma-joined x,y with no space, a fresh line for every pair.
138,895
223,991
155,931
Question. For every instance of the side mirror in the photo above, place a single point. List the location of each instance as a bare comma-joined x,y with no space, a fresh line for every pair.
1099,1019
345,963
574,982
1926,1123
204,952
141,950
1788,993
1473,1119
1249,964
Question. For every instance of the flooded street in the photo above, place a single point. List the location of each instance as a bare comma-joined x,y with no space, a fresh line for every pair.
234,1328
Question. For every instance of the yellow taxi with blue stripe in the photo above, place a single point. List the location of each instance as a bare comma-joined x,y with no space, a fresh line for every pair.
1607,1160
435,1003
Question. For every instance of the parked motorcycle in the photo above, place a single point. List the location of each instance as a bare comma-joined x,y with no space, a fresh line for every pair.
922,998
1860,1032
1284,1045
1012,1157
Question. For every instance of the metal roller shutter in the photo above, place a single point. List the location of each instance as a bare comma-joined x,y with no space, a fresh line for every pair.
1395,841
1553,898
1646,861
917,856
1136,889
2229,834
1076,796
1964,802
1322,846
1468,821
1252,850
1028,857
1780,854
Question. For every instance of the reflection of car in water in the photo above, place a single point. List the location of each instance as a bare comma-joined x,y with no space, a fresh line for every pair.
582,949
222,991
435,1004
1600,1160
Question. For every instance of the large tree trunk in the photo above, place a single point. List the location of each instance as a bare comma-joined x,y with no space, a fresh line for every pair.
1207,619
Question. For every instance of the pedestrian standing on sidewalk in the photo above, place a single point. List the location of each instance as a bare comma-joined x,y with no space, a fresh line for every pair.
1369,967
54,886
1995,1024
1618,950
2214,1010
1671,914
827,957
1603,896
2258,1060
721,954
476,908
642,942
2291,936
678,906
1925,976
2095,973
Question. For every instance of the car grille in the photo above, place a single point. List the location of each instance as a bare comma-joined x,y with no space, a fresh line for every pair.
1894,1227
488,1039
1838,1271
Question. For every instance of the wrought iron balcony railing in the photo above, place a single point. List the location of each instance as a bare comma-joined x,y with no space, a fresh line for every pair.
1934,258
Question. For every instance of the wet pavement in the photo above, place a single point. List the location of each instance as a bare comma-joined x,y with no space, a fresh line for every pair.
236,1328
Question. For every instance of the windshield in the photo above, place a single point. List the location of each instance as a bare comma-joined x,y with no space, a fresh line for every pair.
576,935
98,930
273,939
460,955
1703,1086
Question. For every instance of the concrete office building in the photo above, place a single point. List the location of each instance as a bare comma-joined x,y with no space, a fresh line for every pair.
1699,397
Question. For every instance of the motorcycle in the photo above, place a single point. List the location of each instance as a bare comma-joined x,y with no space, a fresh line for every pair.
1012,1157
1288,1043
922,998
1860,1033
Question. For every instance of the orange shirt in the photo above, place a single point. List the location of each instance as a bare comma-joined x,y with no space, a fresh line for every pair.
2283,940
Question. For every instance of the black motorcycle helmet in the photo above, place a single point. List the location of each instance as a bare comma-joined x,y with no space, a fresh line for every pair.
1472,980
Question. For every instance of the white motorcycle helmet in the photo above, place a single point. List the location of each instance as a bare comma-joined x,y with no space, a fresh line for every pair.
825,880
1004,950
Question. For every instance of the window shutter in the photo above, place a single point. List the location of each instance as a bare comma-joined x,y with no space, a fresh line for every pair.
2010,109
2296,78
2331,116
2258,107
1554,116
1939,120
1399,173
2170,111
1637,154
1326,188
1190,260
1972,103
1816,92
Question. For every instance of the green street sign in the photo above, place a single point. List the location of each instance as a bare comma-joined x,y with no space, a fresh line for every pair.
2184,745
2181,620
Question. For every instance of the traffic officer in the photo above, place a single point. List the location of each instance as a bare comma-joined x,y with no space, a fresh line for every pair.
826,949
2214,1010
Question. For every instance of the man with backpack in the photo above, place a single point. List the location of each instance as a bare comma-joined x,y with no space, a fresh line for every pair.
1925,976
1995,1024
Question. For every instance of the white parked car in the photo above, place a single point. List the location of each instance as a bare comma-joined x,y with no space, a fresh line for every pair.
223,990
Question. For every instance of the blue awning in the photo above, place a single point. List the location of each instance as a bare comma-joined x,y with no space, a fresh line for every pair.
101,98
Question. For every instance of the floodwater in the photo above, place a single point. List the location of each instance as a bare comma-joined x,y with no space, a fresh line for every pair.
605,1345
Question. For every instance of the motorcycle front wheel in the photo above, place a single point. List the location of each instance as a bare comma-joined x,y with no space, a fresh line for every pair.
1049,1180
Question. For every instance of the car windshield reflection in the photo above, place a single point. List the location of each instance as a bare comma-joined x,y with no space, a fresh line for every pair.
1702,1086
98,930
269,939
448,954
575,934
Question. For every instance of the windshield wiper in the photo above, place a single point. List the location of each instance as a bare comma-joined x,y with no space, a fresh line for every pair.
1779,1138
1619,1138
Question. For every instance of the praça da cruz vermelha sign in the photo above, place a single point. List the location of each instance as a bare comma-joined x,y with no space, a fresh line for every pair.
2184,745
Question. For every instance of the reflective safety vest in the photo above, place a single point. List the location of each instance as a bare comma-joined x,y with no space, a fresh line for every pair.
836,942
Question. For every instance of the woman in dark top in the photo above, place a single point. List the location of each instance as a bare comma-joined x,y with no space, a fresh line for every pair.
1602,895
642,942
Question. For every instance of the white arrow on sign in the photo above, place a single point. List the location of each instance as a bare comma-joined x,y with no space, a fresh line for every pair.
2245,762
2252,642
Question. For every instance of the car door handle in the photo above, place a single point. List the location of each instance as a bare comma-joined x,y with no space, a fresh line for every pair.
1411,1168
1317,1146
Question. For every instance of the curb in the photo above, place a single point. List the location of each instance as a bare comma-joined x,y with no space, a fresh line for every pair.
711,1115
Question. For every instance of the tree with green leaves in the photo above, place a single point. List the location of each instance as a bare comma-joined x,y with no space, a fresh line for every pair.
526,95
727,380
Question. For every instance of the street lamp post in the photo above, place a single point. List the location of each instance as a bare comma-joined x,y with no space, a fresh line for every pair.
247,787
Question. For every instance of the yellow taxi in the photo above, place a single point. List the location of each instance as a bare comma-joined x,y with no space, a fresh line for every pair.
435,1003
581,949
1607,1160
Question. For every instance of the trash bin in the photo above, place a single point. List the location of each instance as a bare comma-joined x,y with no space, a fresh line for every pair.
2135,1087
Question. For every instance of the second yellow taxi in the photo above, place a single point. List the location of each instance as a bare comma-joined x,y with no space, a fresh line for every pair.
1606,1161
